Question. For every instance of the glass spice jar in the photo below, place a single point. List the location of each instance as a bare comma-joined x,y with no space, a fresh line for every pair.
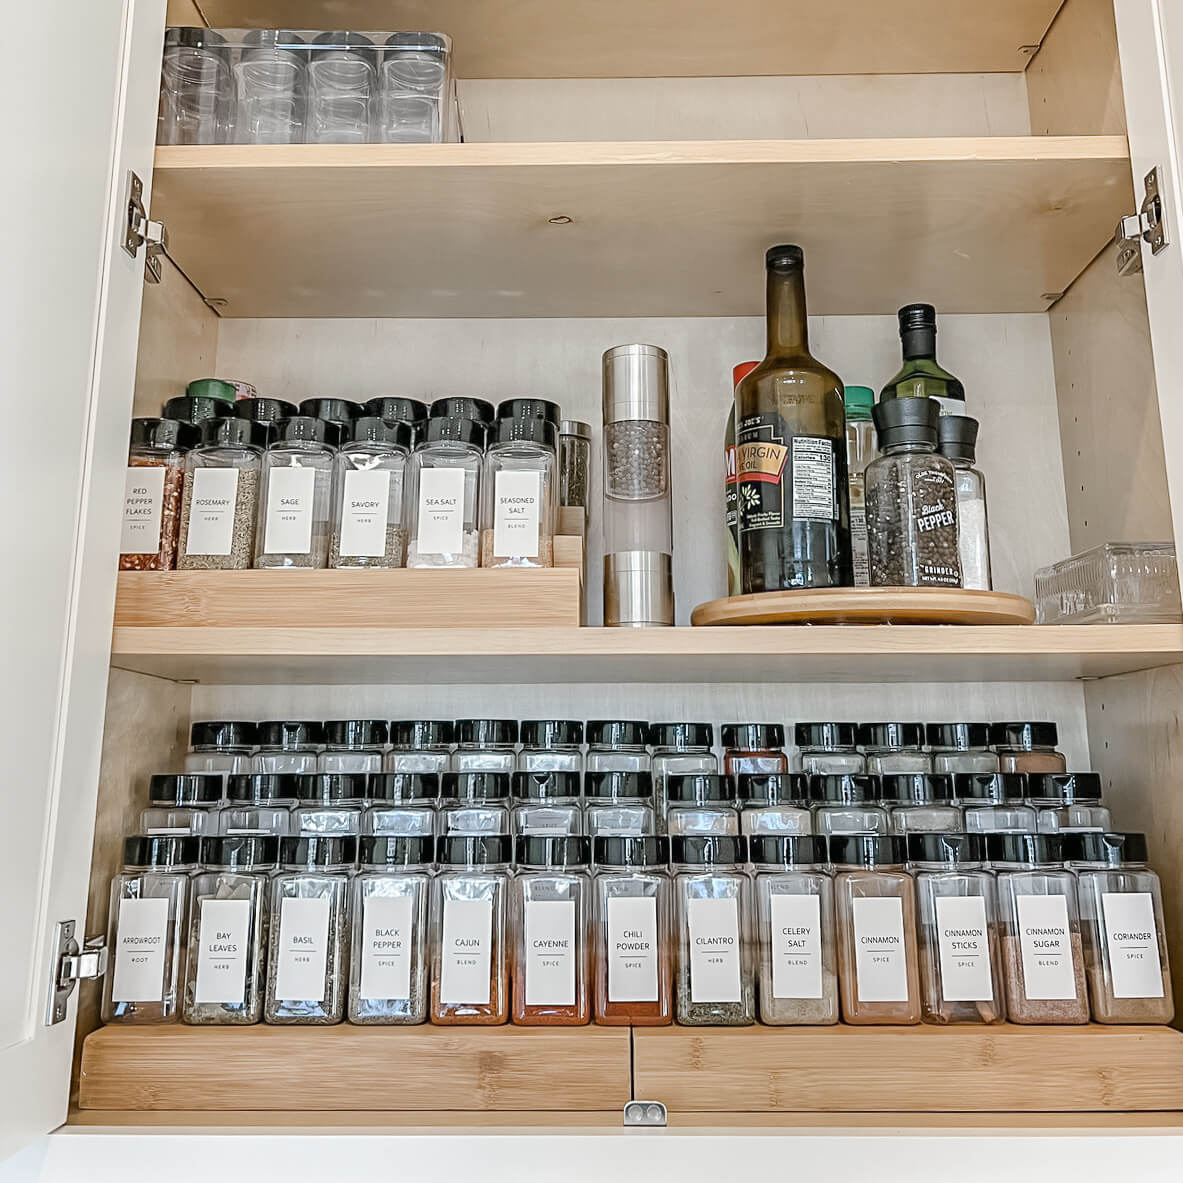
957,442
519,510
549,804
308,942
828,749
961,747
470,957
754,747
618,745
420,745
264,410
921,802
146,929
960,957
894,747
463,407
204,398
337,414
294,497
848,804
679,749
288,745
715,979
391,906
395,409
1066,801
1121,923
257,803
529,408
152,494
401,805
1042,956
633,917
551,745
875,905
701,803
182,803
353,745
475,803
798,980
485,745
223,746
994,802
1027,747
774,803
329,804
443,499
369,482
228,911
575,465
552,929
619,804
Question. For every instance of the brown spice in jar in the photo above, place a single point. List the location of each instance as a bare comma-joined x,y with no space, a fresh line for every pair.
1023,761
165,558
658,1013
1043,1010
544,558
474,1014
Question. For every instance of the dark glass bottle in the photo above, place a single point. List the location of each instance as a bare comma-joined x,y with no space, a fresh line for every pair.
794,503
920,376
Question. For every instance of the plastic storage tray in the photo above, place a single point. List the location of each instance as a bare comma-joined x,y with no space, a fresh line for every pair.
1116,583
303,86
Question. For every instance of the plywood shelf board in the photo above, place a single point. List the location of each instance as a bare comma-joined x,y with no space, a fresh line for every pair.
989,224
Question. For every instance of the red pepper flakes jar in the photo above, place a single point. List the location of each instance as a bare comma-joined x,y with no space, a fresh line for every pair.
152,494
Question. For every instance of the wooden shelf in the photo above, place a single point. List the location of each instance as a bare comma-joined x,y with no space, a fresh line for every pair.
667,229
624,38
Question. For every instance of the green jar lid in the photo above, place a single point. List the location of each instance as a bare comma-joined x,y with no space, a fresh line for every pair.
859,401
211,388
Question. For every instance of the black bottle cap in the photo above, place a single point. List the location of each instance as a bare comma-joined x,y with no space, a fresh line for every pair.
1037,849
357,44
330,788
300,429
867,850
632,850
958,736
917,788
681,735
824,735
784,257
475,786
261,788
753,737
947,849
773,788
708,850
546,786
191,37
906,421
845,788
421,733
318,850
1024,736
559,851
788,850
957,437
616,786
454,428
917,316
356,733
989,788
1071,788
534,431
890,735
196,409
331,410
369,430
241,852
1089,846
401,850
387,788
396,410
462,408
530,408
175,434
419,431
479,733
265,410
617,733
473,850
700,788
162,851
222,733
231,432
186,788
551,733
289,733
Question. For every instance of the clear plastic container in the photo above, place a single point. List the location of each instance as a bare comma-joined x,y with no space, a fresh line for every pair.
1117,583
475,803
957,442
369,484
402,805
293,526
1067,801
618,745
679,749
921,802
894,747
551,745
485,745
848,804
288,745
152,494
994,802
701,803
223,746
196,88
182,804
1027,747
519,509
828,749
342,87
619,805
420,745
774,804
443,498
961,747
257,803
271,87
415,90
354,745
329,804
549,804
754,748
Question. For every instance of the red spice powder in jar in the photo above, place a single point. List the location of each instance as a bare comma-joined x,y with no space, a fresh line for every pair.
754,748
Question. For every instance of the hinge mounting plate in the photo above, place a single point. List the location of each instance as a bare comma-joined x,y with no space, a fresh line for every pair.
1147,225
139,231
71,965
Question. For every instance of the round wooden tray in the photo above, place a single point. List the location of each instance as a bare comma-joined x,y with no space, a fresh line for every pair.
868,605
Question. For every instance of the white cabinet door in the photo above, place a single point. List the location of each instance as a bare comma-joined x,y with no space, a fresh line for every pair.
78,96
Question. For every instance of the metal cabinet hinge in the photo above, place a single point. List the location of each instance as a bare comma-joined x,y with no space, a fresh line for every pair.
1148,225
70,966
645,1114
141,232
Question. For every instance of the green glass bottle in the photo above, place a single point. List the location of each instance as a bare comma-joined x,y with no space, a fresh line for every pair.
921,376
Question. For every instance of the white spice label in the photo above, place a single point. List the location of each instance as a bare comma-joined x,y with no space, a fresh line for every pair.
1046,946
632,949
466,952
365,504
964,945
287,528
441,511
550,952
211,511
223,935
881,957
303,949
813,479
714,950
795,943
143,499
386,947
1132,937
516,513
140,939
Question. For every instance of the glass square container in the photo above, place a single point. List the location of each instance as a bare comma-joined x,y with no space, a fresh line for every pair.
1115,583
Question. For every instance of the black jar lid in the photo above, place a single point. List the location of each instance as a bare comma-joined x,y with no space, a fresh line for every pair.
1036,849
773,788
300,429
288,734
546,786
753,737
318,850
161,851
530,431
402,850
680,736
330,788
194,37
396,788
957,437
1024,736
551,733
700,788
867,850
196,408
473,850
454,428
617,786
261,788
475,409
560,851
1091,846
331,410
173,434
530,408
241,852
824,735
356,733
201,789
395,409
788,850
1069,788
989,788
947,849
959,737
480,733
265,410
222,733
631,850
891,735
421,733
906,421
617,733
844,788
370,430
917,788
232,432
708,850
475,786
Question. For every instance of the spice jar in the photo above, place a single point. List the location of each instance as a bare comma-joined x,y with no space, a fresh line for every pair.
402,805
485,745
1027,747
338,416
828,749
618,745
470,958
146,929
715,976
228,902
475,803
548,804
1121,922
679,749
994,802
894,747
329,803
961,747
960,958
293,526
1041,950
774,803
369,480
391,906
185,803
552,932
308,941
353,745
633,968
288,745
462,407
519,510
257,803
529,408
921,802
619,804
875,906
911,500
848,804
420,745
220,745
957,442
264,410
574,465
1066,801
753,747
152,494
795,930
551,745
395,409
701,803
443,498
